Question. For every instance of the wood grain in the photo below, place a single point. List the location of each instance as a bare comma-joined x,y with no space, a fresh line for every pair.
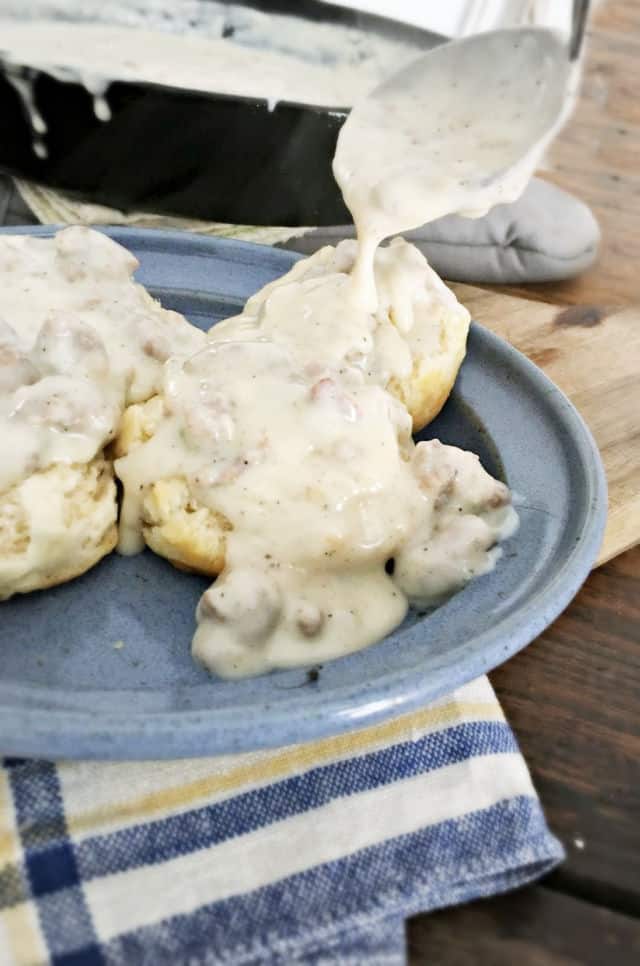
593,355
572,698
532,928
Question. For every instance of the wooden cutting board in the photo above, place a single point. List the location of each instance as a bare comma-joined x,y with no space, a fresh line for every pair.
594,357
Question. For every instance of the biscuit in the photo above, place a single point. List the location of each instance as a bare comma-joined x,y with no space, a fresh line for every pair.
174,524
414,306
425,316
79,341
55,525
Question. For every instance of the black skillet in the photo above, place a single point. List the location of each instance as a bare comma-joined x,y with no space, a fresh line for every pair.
209,156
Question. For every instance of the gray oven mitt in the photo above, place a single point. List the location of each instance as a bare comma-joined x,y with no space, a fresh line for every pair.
544,236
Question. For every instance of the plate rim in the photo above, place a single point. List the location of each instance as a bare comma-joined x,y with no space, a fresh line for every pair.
33,731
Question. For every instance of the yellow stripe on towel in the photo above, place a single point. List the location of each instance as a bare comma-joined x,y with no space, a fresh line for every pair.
273,766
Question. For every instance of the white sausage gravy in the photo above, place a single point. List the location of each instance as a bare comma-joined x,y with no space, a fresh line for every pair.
284,426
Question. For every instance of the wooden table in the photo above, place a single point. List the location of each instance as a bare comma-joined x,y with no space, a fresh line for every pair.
573,697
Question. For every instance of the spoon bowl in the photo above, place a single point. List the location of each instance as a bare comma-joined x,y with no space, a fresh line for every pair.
522,73
486,104
457,131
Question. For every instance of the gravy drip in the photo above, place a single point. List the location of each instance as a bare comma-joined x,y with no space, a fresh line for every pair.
97,54
263,65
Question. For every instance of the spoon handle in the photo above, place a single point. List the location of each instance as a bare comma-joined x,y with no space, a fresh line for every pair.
579,18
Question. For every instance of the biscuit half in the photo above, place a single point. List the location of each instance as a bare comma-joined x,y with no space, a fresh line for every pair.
55,525
174,525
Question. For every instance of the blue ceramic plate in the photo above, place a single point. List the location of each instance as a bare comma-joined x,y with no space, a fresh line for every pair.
66,691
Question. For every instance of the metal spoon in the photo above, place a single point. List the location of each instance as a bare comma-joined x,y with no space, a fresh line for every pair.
458,130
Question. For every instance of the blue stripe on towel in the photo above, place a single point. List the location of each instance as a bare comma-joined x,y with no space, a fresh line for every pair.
468,857
167,838
50,861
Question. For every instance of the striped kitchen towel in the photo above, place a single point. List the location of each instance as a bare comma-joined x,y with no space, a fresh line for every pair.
314,853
